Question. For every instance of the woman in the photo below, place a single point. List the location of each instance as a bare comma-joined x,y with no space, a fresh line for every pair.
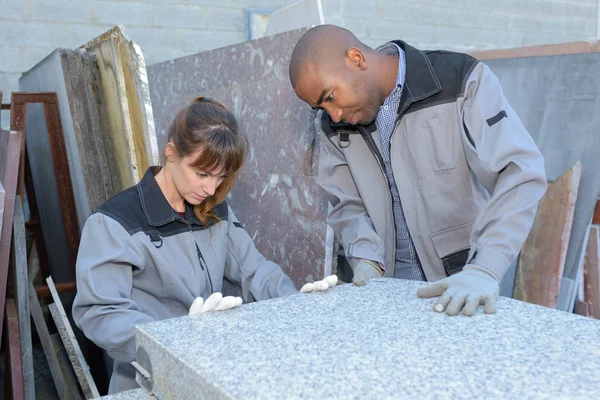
153,249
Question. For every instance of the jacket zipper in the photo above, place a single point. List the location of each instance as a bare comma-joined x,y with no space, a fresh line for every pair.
373,147
201,259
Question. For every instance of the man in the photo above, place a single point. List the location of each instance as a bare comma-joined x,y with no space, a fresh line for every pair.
430,173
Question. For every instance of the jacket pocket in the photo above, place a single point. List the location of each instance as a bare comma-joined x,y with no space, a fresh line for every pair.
452,247
445,146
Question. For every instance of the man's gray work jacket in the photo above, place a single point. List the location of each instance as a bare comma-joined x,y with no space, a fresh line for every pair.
139,262
469,174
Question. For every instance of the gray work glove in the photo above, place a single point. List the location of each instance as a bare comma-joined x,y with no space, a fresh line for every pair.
465,291
366,270
215,302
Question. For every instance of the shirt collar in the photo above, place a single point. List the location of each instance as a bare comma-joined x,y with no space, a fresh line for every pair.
392,49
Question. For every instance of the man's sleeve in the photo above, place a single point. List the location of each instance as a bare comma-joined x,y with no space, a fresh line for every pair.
505,159
347,215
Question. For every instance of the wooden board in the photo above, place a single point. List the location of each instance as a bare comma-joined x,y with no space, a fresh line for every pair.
543,256
591,274
10,150
21,297
80,366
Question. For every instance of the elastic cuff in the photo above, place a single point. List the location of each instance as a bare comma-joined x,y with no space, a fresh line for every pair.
376,266
361,253
479,268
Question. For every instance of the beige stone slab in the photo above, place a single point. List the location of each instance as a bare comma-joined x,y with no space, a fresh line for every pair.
542,259
127,98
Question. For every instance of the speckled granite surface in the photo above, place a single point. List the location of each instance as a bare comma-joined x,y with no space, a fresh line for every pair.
372,342
136,394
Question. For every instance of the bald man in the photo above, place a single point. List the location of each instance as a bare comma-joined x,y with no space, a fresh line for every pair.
430,173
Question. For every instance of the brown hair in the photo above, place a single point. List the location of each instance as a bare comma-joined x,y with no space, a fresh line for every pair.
207,127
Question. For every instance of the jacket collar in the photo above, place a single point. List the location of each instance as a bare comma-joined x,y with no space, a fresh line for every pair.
157,209
421,81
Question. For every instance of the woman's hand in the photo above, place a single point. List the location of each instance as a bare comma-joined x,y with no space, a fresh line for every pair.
215,302
318,286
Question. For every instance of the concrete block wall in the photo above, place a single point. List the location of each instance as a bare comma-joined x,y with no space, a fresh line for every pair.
466,25
167,29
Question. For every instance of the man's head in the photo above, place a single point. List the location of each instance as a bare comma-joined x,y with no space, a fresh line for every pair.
331,69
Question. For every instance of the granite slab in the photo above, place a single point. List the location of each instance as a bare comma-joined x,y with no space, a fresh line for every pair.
371,342
74,76
135,394
80,366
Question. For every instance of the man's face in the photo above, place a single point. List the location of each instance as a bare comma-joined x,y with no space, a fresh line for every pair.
346,93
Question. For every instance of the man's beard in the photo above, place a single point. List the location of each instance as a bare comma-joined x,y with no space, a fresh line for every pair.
371,107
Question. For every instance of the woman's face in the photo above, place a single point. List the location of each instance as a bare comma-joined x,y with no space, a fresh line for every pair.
195,185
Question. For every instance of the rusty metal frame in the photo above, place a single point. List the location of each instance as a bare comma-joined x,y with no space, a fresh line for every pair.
19,101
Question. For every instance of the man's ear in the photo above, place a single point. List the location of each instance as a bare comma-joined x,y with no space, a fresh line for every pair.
171,152
356,58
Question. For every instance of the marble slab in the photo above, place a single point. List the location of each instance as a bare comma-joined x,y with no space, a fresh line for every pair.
276,198
542,259
371,342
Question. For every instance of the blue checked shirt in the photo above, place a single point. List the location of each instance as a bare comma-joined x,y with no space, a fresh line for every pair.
407,262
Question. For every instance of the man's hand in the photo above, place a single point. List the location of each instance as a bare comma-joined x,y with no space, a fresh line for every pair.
366,270
215,302
465,291
319,286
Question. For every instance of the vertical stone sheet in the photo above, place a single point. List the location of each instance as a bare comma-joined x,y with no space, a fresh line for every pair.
125,87
591,280
542,259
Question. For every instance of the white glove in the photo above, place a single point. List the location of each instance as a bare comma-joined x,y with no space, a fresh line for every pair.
319,286
215,302
465,291
366,270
